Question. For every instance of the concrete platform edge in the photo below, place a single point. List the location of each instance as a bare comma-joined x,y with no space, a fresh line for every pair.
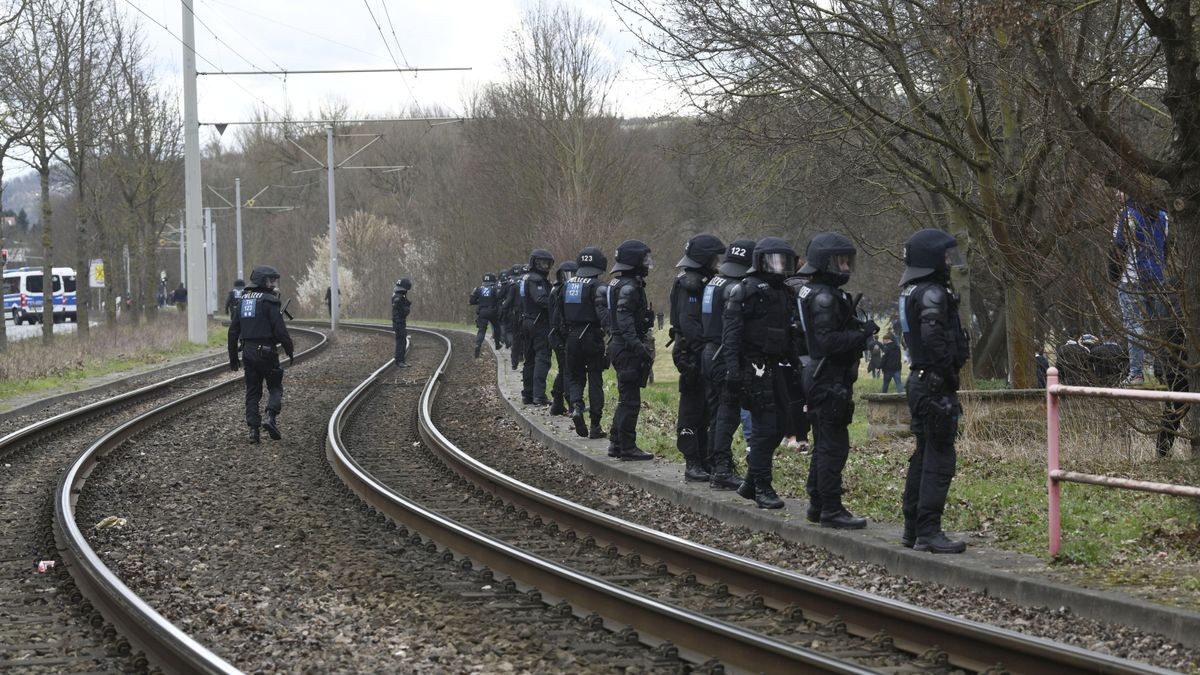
1176,624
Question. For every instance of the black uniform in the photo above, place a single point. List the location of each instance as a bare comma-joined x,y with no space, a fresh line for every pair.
258,331
534,292
511,310
755,339
486,298
558,338
938,348
401,306
629,347
833,336
585,312
691,427
232,298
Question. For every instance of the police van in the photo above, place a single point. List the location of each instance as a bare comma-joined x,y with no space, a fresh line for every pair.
24,292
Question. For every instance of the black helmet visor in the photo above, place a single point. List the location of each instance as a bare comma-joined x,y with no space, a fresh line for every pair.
954,258
782,264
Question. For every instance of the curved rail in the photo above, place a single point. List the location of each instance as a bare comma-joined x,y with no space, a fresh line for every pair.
162,642
968,644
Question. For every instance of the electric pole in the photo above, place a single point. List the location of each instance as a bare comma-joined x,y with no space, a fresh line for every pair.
333,266
237,199
197,317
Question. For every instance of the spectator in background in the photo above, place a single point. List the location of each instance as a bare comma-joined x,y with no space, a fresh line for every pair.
328,299
1139,258
1043,365
179,297
889,362
874,354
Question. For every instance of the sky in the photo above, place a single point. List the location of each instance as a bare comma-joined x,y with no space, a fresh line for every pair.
322,34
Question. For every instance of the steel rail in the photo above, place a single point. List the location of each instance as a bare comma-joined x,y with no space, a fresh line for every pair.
163,643
654,620
968,644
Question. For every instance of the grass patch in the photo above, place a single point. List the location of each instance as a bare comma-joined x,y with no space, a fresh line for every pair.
29,367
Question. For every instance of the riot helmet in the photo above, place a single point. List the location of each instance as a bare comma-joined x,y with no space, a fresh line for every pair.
264,276
774,258
489,278
403,285
503,276
239,283
633,255
516,270
540,261
701,252
739,257
591,261
830,254
930,252
566,271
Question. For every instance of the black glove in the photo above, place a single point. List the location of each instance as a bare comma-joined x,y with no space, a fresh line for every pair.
734,383
234,364
291,359
869,327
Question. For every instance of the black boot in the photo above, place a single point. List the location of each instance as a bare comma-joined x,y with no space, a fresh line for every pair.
813,514
724,476
635,455
746,489
581,429
272,426
939,543
541,400
614,450
596,432
764,494
908,537
254,434
693,471
842,519
557,408
477,348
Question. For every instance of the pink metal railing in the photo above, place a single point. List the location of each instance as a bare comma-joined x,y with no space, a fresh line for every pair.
1054,475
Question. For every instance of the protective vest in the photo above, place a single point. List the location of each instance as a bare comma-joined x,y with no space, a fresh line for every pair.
252,315
532,288
712,306
488,296
929,351
814,302
579,301
766,319
686,296
400,307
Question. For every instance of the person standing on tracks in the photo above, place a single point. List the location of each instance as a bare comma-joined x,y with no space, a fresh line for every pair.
756,338
486,298
938,347
256,331
836,338
584,314
533,292
629,350
698,264
401,306
560,390
723,408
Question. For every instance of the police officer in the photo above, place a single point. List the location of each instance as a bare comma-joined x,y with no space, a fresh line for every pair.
510,308
723,409
231,300
938,348
698,264
258,326
629,321
502,317
401,306
755,339
534,293
486,298
558,337
835,338
585,313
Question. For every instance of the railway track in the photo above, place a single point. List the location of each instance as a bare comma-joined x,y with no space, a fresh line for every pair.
708,605
53,621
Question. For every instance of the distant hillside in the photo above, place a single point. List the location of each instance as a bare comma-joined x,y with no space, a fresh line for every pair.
22,192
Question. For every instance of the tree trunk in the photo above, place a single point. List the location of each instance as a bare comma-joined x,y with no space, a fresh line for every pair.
47,253
82,298
1019,333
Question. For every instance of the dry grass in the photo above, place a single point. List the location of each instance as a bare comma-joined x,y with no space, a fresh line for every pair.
29,365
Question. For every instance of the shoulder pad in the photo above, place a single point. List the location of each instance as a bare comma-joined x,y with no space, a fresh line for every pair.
824,298
626,291
691,280
738,292
933,296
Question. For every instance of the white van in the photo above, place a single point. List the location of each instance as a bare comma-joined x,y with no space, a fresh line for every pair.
24,291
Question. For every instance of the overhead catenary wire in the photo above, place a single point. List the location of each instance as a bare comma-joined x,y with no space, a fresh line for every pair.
200,56
218,37
242,35
383,37
297,29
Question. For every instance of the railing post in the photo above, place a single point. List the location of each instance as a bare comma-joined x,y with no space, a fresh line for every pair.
1052,434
